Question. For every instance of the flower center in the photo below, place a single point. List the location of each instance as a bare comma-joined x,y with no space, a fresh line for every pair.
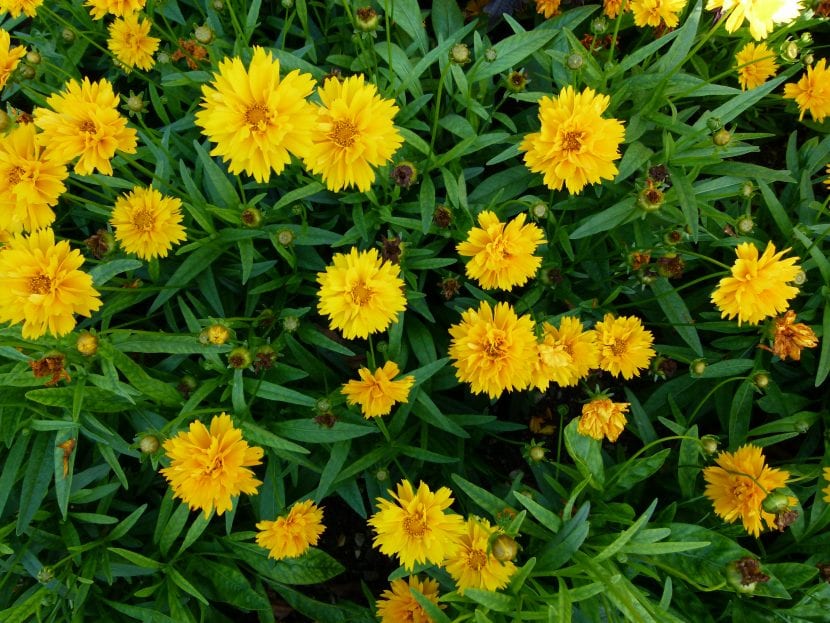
572,141
361,295
14,176
40,284
619,347
476,559
495,346
144,220
87,126
257,116
344,133
415,525
216,465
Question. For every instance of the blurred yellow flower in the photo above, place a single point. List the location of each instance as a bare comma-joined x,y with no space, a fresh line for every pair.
548,8
624,345
17,7
376,392
397,605
131,42
758,286
762,15
147,223
826,489
552,361
473,564
755,65
812,92
99,8
612,8
291,536
209,467
657,12
789,337
566,354
9,57
602,418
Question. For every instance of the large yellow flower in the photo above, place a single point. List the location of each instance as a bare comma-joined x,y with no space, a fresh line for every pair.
18,7
473,565
758,286
147,223
397,605
624,345
552,363
209,467
575,145
360,293
762,15
9,57
756,64
415,527
131,42
657,12
99,8
502,253
292,535
790,337
738,485
565,354
812,91
493,349
354,133
602,418
376,392
257,119
42,287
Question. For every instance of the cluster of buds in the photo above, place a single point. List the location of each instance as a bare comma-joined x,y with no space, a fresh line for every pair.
792,50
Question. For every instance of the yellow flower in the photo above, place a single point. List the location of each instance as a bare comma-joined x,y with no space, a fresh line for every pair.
131,42
493,348
826,489
566,354
552,361
376,392
31,181
256,118
99,8
790,337
758,287
354,133
612,8
292,535
209,467
502,254
602,418
360,293
147,223
399,606
762,15
9,57
756,64
84,121
657,12
575,145
812,91
548,8
42,287
624,345
473,565
415,527
738,485
16,7
827,172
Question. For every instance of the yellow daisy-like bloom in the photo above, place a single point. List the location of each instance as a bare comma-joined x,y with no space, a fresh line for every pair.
415,527
657,12
756,64
762,15
360,293
42,287
758,286
552,360
31,181
209,467
548,8
100,8
502,253
738,485
147,223
473,565
612,8
602,418
376,392
812,91
826,489
789,337
292,535
624,345
354,134
575,145
493,349
566,354
827,172
17,7
397,605
257,119
9,57
131,42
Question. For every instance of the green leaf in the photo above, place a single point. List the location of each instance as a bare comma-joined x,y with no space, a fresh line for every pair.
682,185
95,399
626,535
200,523
137,559
547,518
511,51
218,186
312,568
173,528
567,541
337,458
498,602
105,271
39,470
678,314
154,389
291,197
14,459
230,585
633,471
676,54
309,431
824,358
195,263
635,156
586,454
730,367
260,436
688,463
277,393
621,212
145,615
127,523
740,412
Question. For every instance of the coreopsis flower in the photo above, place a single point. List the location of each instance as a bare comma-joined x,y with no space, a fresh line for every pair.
575,145
257,119
291,536
758,286
493,349
42,286
826,489
397,605
9,57
84,121
602,417
131,43
762,15
657,12
473,564
738,485
147,223
209,467
812,91
31,181
552,361
755,65
360,293
100,8
565,354
547,8
376,392
354,133
612,8
502,254
789,337
624,345
17,7
415,527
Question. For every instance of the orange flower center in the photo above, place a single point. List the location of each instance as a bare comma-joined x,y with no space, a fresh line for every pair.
15,175
144,220
619,347
87,126
216,465
40,284
495,345
361,295
572,141
257,116
344,133
415,525
476,559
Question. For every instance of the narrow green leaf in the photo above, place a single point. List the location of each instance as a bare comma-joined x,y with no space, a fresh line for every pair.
678,314
14,459
39,470
739,414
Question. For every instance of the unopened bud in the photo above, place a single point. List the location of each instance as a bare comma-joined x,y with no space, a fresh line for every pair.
490,55
27,71
68,35
285,237
776,502
460,54
239,358
722,137
87,344
800,278
714,124
747,189
148,444
709,444
536,453
575,61
761,380
505,548
33,57
251,217
808,59
697,367
290,324
204,34
539,211
323,405
745,224
367,19
215,334
404,174
789,51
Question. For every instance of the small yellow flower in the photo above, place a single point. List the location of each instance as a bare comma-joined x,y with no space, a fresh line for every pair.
624,345
756,64
548,8
790,337
131,43
147,223
762,15
9,57
812,91
292,535
473,564
376,392
565,354
657,12
612,8
398,605
826,489
17,7
99,8
602,418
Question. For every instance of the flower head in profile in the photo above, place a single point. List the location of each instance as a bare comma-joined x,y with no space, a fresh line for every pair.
256,118
42,286
763,15
502,254
398,605
602,417
473,564
492,349
565,354
790,337
575,146
9,57
657,12
812,91
415,527
147,223
376,392
360,293
612,8
826,489
758,287
291,536
354,133
738,485
547,8
624,345
755,65
131,42
209,467
100,8
16,8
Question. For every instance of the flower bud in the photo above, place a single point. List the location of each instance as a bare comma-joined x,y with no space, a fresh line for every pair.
490,55
367,19
187,385
27,72
747,189
650,198
33,57
148,444
287,4
516,81
599,25
204,34
714,124
239,358
442,216
45,575
789,51
575,61
215,334
808,59
505,548
722,137
709,444
404,174
697,367
87,344
68,35
251,218
776,502
382,475
285,237
135,103
460,54
536,453
761,380
800,278
539,210
745,224
290,324
323,405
